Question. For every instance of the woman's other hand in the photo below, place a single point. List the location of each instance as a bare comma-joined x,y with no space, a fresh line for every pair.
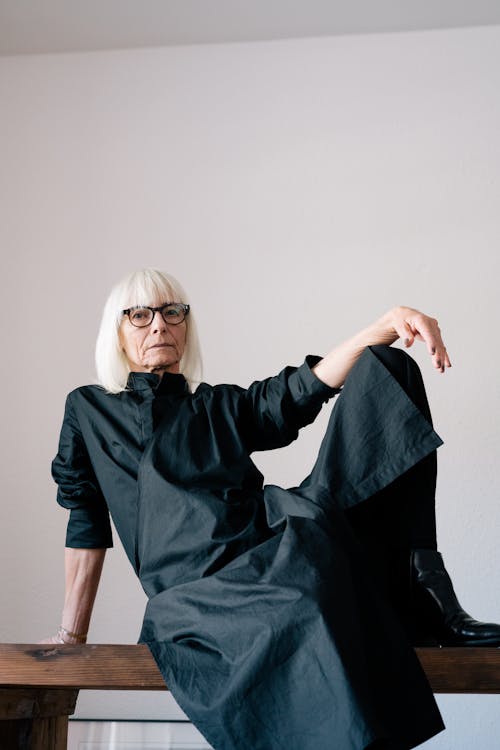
52,639
409,324
61,640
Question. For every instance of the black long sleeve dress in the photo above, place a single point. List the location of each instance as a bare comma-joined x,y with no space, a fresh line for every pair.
262,615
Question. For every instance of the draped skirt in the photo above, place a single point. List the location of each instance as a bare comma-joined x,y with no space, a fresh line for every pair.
298,643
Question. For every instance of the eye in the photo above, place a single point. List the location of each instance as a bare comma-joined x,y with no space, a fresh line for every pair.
142,313
172,311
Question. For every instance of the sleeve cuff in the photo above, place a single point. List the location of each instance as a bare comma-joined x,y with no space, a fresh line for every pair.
89,530
306,383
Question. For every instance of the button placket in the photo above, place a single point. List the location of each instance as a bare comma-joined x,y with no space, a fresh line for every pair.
146,416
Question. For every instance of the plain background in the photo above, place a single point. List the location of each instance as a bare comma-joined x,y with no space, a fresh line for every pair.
297,189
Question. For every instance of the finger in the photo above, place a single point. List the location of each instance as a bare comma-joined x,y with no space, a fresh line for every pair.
442,360
438,351
435,344
445,361
439,357
425,331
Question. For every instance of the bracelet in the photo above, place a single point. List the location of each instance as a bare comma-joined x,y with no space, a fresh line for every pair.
79,637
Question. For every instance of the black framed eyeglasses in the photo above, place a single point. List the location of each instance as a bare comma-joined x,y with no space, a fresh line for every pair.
172,313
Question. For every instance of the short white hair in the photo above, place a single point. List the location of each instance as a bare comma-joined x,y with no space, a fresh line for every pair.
144,287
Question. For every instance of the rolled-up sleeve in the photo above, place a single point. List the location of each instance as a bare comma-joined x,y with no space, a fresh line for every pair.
273,410
78,489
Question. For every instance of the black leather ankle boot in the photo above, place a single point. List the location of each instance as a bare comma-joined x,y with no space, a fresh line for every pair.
436,609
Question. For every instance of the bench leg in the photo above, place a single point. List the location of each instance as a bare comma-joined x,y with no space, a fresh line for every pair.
35,718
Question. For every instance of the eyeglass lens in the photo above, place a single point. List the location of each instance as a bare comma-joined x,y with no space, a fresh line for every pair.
142,316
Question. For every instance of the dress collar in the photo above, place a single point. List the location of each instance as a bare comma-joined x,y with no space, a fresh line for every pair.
170,382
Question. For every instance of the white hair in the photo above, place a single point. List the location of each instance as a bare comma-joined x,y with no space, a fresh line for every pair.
144,287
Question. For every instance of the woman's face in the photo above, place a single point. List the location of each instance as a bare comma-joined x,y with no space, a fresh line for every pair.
157,347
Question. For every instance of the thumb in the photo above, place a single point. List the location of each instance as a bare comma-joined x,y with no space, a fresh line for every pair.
407,334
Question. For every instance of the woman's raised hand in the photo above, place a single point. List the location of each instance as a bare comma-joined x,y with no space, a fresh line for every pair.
409,324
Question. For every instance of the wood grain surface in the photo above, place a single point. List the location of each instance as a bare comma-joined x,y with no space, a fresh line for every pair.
132,667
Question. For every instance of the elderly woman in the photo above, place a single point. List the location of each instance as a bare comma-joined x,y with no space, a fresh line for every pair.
279,618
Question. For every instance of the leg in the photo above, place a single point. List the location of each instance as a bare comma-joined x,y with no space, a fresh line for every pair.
377,462
417,485
401,516
434,607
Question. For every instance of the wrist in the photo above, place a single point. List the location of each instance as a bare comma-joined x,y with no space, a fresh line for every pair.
381,331
369,336
68,636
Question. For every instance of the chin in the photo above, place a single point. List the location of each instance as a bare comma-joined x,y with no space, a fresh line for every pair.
165,365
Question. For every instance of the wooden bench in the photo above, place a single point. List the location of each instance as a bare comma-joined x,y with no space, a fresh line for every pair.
39,684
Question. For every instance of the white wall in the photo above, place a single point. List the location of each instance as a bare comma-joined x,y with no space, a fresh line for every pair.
349,173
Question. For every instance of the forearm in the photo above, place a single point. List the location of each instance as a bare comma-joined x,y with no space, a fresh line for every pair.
83,569
334,368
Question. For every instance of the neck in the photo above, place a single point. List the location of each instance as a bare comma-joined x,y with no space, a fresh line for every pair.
173,368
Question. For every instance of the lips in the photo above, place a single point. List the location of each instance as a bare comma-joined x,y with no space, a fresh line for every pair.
159,346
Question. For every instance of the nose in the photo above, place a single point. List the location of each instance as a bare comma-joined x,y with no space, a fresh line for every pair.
158,323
